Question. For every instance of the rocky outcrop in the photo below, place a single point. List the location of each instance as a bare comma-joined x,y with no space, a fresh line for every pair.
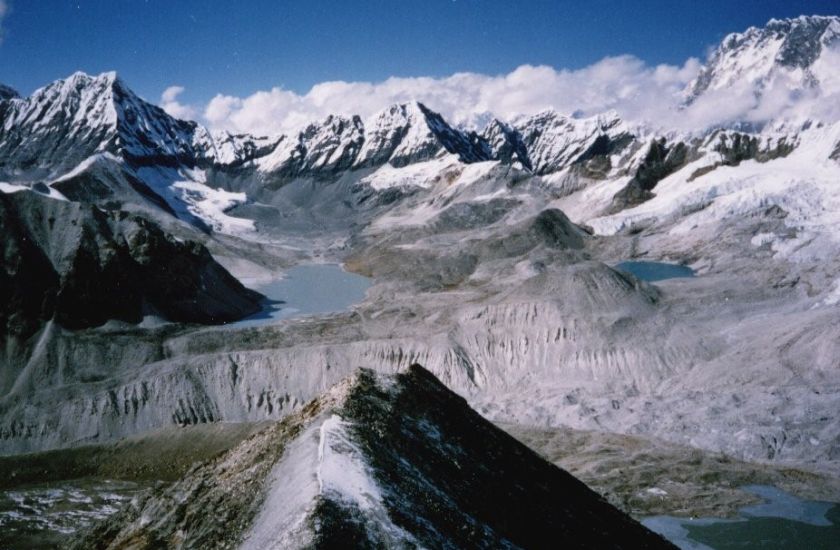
378,461
662,159
736,147
722,147
81,266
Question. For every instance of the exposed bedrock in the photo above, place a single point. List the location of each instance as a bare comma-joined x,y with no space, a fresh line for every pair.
376,461
81,266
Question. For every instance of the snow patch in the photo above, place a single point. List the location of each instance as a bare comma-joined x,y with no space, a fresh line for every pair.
211,205
343,474
421,174
187,192
15,188
342,468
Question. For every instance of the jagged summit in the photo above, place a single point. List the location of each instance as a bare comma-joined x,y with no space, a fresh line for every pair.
505,143
789,51
321,149
64,123
376,462
61,126
555,141
410,132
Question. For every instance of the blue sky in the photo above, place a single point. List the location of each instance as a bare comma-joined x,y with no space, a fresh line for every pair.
236,48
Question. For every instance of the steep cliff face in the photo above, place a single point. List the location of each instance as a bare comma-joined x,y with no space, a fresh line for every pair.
378,461
81,266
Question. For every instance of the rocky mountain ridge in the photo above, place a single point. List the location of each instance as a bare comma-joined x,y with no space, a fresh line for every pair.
182,167
377,461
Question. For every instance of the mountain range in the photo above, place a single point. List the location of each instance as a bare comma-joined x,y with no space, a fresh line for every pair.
70,126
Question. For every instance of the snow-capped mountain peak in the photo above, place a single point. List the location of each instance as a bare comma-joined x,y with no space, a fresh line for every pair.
554,141
410,132
506,143
791,51
321,148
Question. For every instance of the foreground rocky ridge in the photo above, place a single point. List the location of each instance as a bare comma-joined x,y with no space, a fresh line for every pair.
377,461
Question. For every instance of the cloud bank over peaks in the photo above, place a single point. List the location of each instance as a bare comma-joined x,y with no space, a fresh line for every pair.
623,83
654,95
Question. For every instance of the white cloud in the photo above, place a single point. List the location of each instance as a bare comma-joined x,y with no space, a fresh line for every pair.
4,11
169,103
637,91
623,83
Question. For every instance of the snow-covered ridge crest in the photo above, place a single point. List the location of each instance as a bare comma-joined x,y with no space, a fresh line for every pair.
378,461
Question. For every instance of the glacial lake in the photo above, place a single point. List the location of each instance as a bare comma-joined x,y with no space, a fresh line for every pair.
782,521
308,290
655,271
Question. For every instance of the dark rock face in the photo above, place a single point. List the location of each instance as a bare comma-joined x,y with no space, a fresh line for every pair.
662,160
468,147
447,478
802,43
736,148
7,93
27,278
497,491
506,144
408,133
82,266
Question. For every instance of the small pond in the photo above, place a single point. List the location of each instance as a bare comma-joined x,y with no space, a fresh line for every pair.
308,290
655,271
781,521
